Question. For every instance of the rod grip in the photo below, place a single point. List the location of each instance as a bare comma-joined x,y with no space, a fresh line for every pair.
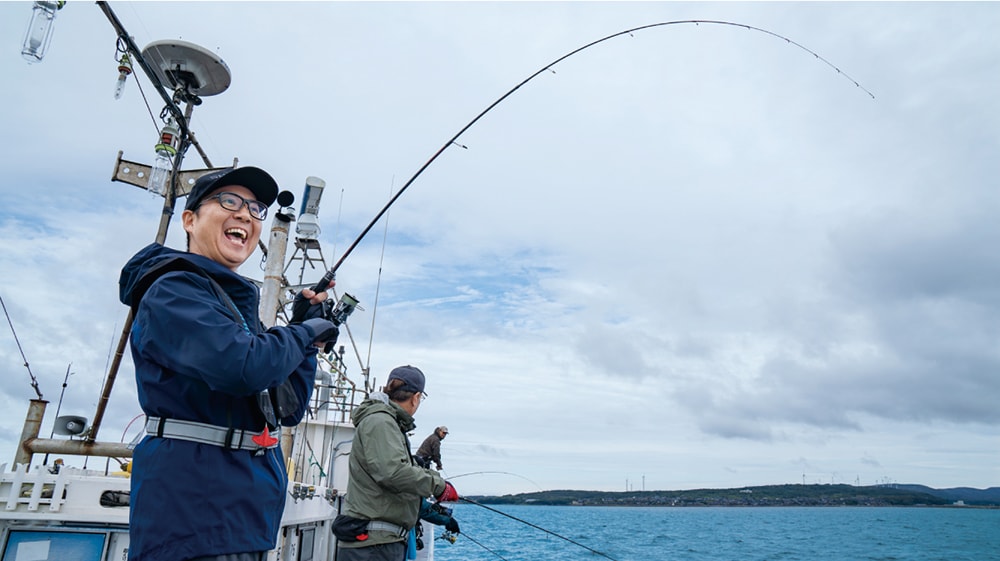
300,306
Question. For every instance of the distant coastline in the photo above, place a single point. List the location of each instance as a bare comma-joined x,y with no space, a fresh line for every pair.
768,495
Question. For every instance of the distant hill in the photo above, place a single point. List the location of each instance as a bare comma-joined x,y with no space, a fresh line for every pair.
769,495
969,495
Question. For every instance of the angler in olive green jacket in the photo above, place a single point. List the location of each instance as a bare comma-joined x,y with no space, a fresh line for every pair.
385,485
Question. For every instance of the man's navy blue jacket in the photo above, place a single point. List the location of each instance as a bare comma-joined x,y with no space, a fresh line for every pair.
196,361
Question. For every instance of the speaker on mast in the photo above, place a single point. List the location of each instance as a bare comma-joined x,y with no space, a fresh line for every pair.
70,425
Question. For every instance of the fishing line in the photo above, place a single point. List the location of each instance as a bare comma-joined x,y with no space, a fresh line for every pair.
495,472
378,284
471,539
111,347
324,282
537,527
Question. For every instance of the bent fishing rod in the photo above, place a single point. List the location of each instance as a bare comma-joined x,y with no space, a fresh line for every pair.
494,472
537,527
324,283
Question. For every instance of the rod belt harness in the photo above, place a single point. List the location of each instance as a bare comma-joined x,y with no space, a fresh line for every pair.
203,433
382,526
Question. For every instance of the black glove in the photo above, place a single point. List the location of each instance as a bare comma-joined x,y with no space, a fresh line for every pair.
323,331
302,309
452,526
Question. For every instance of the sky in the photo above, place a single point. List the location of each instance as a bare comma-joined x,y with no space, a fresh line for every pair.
692,256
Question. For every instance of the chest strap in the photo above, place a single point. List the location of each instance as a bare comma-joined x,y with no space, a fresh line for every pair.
203,433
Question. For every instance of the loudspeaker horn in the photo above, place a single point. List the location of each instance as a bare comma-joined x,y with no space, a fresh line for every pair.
71,425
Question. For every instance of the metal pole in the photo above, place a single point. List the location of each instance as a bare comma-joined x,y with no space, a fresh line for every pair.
270,291
168,209
32,424
161,236
78,448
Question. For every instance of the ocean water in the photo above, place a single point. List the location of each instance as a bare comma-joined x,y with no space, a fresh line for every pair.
724,534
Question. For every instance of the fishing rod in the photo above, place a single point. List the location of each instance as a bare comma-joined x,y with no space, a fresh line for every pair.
537,527
450,537
52,433
34,381
330,275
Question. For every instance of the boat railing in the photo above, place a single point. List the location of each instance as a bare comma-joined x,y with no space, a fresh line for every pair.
47,490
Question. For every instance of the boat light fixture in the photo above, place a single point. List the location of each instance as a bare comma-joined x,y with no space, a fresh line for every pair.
124,69
307,227
36,40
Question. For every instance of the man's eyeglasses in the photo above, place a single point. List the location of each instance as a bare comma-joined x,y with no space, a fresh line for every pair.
233,203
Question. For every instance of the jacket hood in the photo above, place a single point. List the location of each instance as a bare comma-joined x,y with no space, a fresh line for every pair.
378,402
154,255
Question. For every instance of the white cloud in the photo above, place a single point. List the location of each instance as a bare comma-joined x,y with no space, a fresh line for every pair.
695,254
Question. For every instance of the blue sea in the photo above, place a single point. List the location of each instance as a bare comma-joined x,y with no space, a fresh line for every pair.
724,534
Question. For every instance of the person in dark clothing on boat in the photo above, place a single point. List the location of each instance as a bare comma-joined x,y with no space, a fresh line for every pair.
386,491
208,479
430,449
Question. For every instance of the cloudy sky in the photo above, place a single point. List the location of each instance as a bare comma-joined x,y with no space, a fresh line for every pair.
691,256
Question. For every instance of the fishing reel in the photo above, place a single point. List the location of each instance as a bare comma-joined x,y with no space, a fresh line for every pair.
343,309
337,312
450,537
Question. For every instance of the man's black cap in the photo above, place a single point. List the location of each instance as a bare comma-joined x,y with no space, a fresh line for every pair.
263,186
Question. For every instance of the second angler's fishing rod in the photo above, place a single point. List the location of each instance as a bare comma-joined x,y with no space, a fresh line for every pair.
324,283
537,527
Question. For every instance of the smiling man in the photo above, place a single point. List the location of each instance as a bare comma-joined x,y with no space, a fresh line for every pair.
208,480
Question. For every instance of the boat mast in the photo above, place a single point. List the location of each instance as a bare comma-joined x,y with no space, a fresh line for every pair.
181,119
192,72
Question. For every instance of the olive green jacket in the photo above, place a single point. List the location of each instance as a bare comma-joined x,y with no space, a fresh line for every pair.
384,483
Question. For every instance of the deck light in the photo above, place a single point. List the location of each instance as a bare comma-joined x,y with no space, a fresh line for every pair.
124,69
39,33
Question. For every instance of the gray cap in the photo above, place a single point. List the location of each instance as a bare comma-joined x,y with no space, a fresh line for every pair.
412,377
443,429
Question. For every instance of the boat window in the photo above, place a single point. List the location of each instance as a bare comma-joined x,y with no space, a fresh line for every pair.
53,546
306,543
